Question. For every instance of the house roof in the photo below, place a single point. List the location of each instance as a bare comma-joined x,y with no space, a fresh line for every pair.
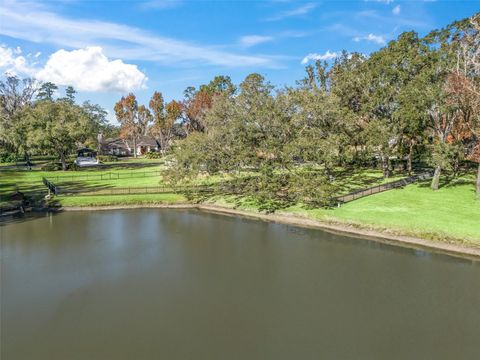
147,141
121,143
114,142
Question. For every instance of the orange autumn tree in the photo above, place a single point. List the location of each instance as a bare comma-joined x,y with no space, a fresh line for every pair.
126,111
195,108
164,117
198,102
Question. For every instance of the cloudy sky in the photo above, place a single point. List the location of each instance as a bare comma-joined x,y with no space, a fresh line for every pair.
111,47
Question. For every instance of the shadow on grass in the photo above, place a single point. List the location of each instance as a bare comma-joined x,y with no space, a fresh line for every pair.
448,180
78,187
123,166
350,180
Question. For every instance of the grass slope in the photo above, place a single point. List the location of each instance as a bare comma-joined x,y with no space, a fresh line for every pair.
449,213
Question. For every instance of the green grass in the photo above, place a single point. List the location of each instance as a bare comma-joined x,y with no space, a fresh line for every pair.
130,172
104,200
451,213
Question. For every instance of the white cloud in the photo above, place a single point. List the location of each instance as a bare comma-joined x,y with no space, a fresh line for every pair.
314,56
302,10
378,39
34,22
396,10
251,40
90,70
13,63
85,69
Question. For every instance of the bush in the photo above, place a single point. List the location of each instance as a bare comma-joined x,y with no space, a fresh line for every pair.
72,166
43,157
107,158
153,155
52,166
7,157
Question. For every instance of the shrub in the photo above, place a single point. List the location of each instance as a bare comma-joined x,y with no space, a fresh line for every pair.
72,166
52,166
42,157
107,158
153,155
7,157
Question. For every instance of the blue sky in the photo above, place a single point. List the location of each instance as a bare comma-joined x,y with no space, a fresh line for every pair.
108,48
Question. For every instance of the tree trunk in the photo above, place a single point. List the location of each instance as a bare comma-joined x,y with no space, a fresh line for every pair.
27,159
410,155
134,147
162,143
62,160
478,181
436,178
386,166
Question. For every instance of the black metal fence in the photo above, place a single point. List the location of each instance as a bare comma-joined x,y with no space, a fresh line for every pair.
199,189
137,190
357,194
106,176
50,186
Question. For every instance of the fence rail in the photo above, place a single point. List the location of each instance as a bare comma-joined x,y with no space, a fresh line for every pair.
138,190
357,194
107,176
50,186
163,189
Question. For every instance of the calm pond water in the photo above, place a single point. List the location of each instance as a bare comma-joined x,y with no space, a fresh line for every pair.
181,284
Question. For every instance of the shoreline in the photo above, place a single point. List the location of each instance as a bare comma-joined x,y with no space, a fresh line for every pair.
458,250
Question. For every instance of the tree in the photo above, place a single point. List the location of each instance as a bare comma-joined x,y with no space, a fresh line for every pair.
463,87
144,119
195,108
164,119
197,102
70,94
255,130
126,111
98,123
220,85
16,96
454,50
58,126
46,91
320,127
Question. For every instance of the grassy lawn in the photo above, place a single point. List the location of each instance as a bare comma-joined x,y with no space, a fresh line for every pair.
449,213
118,174
126,173
103,200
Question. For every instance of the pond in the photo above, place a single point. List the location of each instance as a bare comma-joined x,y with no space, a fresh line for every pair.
185,284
